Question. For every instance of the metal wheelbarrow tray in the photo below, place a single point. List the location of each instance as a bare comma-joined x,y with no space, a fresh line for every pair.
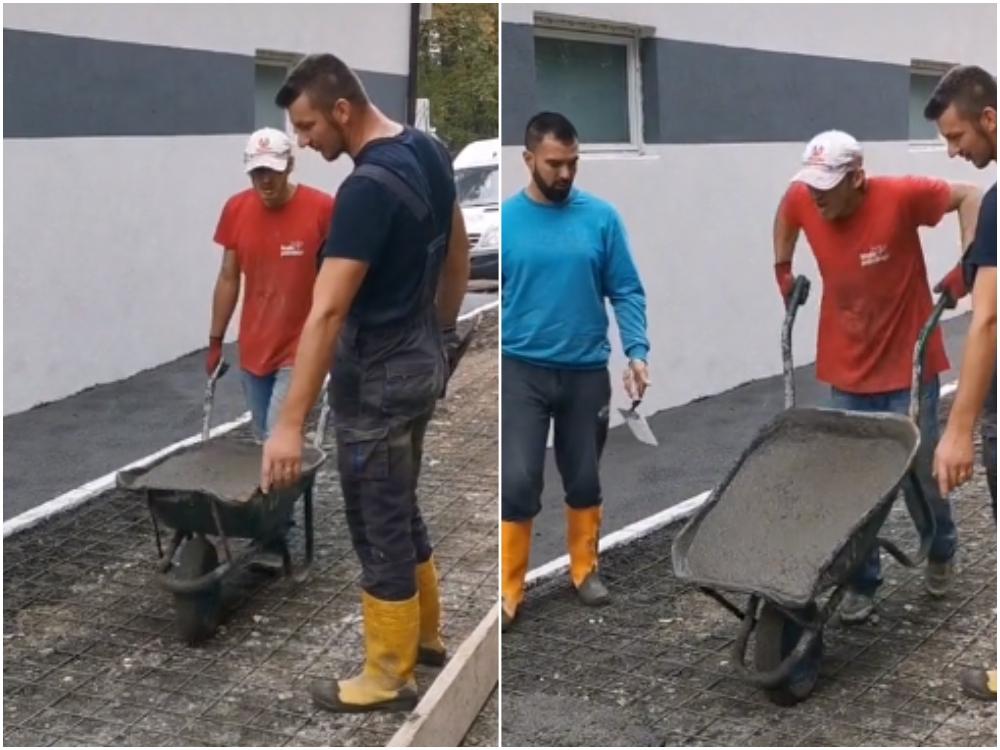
797,515
210,490
802,505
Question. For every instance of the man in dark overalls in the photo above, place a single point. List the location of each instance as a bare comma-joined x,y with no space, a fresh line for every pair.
398,232
964,106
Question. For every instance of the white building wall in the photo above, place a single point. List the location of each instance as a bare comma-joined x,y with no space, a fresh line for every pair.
109,263
700,216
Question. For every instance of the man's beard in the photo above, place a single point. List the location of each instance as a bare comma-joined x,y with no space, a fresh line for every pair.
551,192
989,154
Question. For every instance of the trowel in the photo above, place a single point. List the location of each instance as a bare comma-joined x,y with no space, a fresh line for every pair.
638,424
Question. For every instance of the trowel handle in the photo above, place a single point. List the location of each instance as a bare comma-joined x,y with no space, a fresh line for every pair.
798,297
943,303
206,419
635,404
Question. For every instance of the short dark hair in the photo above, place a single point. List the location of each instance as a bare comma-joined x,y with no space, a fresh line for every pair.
970,88
324,79
548,123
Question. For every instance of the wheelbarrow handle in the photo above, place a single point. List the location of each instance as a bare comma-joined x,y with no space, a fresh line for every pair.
798,297
944,302
922,514
206,419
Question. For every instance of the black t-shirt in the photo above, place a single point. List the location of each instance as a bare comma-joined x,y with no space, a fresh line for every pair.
372,224
983,251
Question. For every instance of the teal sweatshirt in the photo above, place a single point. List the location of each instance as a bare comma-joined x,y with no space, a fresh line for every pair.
559,263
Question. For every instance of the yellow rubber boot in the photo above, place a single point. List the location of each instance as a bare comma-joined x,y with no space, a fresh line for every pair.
432,651
583,531
515,546
980,683
392,632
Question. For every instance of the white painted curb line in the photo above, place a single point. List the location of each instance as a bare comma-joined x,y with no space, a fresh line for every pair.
649,524
479,310
95,487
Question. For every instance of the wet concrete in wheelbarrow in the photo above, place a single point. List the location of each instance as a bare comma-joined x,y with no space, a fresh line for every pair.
655,667
790,505
90,651
227,467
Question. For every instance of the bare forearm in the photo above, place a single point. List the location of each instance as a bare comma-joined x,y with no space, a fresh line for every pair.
227,292
968,215
454,273
784,237
451,290
312,361
976,375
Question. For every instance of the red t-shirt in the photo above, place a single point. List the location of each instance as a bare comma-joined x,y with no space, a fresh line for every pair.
278,254
875,292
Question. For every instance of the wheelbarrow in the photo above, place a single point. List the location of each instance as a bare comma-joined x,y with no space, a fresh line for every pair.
797,515
209,495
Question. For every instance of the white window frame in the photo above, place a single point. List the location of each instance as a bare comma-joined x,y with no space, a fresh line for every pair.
275,59
580,30
927,68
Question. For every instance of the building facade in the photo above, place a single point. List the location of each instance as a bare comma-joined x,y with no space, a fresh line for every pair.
693,118
124,127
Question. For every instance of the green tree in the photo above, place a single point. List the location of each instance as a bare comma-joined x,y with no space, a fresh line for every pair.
458,71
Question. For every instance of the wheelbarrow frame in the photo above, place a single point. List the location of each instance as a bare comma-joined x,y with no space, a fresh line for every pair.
195,515
836,570
193,512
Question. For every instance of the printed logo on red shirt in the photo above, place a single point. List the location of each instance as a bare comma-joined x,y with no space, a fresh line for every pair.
873,255
293,249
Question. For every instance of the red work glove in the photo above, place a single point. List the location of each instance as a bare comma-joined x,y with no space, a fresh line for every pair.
214,354
953,284
786,282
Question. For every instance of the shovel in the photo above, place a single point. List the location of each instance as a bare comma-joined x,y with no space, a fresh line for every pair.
638,424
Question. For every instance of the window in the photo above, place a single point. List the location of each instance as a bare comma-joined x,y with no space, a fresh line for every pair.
477,186
593,79
270,70
924,76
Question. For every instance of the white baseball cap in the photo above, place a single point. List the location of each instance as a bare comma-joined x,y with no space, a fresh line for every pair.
828,158
268,148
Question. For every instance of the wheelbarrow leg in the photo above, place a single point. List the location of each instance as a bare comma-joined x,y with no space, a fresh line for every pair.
307,512
307,522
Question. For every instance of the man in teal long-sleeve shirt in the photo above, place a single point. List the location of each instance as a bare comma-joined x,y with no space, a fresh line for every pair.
564,252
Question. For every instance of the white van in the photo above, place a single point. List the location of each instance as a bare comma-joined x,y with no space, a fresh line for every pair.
477,183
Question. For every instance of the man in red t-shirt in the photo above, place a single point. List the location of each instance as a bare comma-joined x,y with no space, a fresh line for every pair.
863,233
271,234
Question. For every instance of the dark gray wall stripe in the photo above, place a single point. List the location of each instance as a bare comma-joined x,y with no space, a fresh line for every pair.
705,93
517,81
63,86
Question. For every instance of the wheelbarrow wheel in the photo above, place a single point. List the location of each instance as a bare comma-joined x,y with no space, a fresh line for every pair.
776,636
197,614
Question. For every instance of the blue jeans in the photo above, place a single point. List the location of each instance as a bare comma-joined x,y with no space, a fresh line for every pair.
869,575
264,395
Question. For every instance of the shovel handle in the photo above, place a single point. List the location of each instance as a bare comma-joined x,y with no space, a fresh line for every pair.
798,297
220,370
